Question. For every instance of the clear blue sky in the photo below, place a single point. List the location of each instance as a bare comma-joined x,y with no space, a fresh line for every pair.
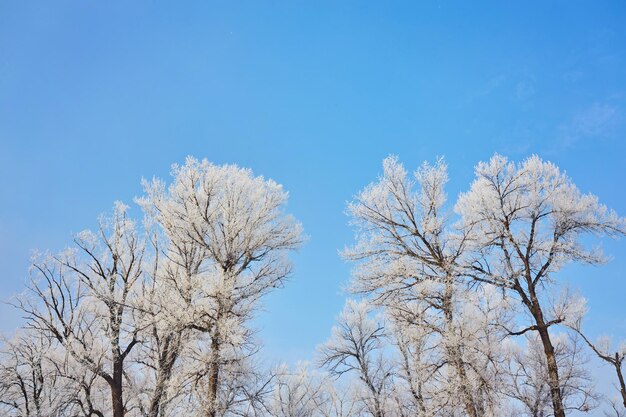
96,95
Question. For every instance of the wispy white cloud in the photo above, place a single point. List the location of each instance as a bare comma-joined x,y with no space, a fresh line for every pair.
596,121
491,85
519,86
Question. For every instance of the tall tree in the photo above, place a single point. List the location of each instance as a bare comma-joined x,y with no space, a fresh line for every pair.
163,306
236,222
83,298
409,259
526,221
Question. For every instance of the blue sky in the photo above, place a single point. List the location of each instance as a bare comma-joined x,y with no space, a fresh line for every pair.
96,95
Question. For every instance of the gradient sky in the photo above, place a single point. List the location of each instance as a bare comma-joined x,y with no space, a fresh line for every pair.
96,95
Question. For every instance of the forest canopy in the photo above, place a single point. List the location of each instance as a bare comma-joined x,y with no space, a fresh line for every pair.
456,307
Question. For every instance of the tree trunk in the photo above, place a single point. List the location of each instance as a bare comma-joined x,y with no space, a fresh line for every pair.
553,369
415,390
532,303
620,376
455,354
167,360
214,371
553,372
468,400
155,402
116,389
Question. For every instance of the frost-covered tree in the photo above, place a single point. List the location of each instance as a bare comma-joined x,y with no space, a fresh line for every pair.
356,347
231,237
83,297
527,381
122,325
85,393
614,356
526,221
297,393
424,382
29,385
417,362
341,400
305,392
244,385
410,259
167,330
